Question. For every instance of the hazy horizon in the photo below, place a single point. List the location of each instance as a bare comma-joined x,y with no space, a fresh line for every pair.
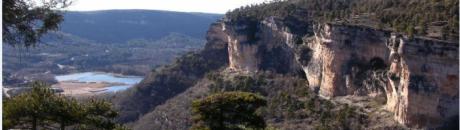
201,6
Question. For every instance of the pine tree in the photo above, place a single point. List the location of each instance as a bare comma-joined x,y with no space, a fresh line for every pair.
20,18
228,110
42,106
410,30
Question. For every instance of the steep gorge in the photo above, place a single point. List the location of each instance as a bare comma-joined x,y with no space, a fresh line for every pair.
417,76
291,46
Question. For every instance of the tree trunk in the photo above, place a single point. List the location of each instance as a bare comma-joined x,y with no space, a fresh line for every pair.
34,123
62,125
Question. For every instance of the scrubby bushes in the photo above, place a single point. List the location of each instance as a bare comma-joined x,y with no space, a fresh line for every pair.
237,83
168,81
290,102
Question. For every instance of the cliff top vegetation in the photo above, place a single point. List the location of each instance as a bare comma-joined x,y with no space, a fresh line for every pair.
432,18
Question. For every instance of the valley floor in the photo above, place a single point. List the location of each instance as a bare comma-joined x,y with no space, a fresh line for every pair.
72,88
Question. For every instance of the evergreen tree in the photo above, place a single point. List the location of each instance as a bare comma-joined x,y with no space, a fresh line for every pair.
228,110
20,18
100,114
28,110
410,30
41,108
66,112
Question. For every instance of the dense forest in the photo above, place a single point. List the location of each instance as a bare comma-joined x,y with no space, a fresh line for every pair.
432,18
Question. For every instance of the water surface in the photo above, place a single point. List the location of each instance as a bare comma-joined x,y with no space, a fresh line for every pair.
88,77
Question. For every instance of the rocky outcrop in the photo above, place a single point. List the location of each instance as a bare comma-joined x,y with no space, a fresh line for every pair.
343,56
257,46
423,81
418,76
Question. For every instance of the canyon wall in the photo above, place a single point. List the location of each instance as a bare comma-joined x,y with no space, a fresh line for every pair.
343,56
423,81
254,46
418,76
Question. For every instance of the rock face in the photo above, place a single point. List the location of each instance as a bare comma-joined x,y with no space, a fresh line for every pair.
343,56
254,46
423,81
418,76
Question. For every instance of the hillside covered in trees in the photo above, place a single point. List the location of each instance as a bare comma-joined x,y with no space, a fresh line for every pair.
432,18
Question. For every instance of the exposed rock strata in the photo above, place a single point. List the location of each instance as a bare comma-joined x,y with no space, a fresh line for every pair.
418,76
423,81
260,46
342,55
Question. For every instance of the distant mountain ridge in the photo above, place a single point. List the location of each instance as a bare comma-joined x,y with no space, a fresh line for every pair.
119,26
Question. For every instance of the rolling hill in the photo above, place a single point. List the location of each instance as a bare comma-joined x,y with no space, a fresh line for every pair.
119,26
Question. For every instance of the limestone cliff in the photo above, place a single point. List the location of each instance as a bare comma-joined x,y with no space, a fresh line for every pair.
418,76
254,46
343,56
423,80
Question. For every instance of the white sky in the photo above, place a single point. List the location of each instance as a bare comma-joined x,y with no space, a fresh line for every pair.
208,6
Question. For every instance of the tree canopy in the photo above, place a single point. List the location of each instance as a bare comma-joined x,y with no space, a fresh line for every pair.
406,16
26,21
228,110
42,108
